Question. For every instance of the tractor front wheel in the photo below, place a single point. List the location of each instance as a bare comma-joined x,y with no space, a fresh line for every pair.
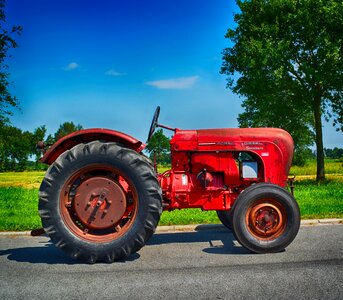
225,216
265,218
100,202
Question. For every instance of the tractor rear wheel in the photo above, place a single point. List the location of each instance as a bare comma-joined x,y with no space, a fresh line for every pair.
265,218
100,202
225,216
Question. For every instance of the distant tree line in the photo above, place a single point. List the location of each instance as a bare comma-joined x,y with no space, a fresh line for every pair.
335,153
18,148
306,154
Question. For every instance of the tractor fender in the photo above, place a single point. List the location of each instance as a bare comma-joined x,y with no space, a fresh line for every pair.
89,135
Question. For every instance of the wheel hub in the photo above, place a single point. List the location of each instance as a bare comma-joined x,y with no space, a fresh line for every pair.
99,202
266,220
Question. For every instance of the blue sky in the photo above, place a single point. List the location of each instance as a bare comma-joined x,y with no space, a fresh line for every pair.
110,63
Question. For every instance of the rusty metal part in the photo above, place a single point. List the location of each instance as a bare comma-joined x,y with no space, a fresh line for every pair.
166,127
41,145
266,219
98,203
290,182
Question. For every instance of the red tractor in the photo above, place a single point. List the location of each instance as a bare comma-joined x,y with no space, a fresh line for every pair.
101,198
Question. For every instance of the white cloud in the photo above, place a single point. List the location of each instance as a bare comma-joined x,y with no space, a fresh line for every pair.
71,66
174,83
113,72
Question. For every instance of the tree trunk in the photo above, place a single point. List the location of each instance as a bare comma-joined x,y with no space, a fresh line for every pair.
319,139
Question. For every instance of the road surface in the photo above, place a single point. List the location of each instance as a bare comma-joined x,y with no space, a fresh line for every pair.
204,264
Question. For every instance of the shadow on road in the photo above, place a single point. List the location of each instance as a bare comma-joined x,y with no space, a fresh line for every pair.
47,254
219,241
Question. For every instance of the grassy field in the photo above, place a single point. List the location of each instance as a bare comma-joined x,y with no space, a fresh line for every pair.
19,199
332,167
25,180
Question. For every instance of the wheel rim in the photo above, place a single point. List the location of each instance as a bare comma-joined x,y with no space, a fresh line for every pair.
98,203
266,219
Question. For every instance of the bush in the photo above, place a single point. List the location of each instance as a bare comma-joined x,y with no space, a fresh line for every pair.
301,156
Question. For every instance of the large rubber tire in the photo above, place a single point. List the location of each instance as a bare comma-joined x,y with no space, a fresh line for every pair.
225,216
266,218
87,169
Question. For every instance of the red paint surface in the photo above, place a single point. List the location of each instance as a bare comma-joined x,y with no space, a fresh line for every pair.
88,135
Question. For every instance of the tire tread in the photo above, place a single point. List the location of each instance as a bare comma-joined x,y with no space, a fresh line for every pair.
136,163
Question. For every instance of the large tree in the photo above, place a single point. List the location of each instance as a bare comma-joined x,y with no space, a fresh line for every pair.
286,61
7,101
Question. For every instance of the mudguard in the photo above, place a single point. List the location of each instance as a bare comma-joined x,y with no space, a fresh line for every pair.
86,136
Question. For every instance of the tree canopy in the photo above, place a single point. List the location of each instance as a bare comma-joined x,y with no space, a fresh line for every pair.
65,129
286,61
335,153
7,101
18,149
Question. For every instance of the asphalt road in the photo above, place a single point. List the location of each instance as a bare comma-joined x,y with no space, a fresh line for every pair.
205,264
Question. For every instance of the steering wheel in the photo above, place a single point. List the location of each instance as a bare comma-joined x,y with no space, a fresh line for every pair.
154,123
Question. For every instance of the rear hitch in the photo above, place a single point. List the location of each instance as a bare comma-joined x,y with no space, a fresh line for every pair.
42,146
37,232
290,182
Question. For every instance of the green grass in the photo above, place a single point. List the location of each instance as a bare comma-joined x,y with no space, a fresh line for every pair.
188,216
323,200
19,209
